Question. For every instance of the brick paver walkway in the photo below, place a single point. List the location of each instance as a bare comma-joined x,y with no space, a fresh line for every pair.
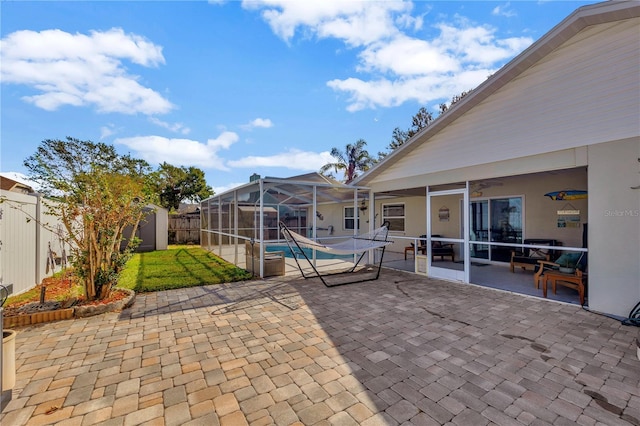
401,350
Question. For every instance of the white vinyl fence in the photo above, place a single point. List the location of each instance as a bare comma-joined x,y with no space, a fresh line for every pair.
31,245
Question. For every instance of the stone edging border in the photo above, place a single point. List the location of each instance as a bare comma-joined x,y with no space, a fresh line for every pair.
75,312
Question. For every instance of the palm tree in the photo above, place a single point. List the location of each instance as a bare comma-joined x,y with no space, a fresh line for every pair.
352,160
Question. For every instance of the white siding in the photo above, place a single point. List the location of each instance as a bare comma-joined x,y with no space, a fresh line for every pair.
585,92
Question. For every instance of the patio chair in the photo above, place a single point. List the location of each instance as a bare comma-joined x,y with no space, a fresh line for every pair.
441,249
529,257
572,276
422,248
569,270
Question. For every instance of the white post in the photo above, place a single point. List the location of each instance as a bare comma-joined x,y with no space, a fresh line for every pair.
465,230
261,228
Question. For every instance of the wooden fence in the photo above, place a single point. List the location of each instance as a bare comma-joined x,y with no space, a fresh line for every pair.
184,229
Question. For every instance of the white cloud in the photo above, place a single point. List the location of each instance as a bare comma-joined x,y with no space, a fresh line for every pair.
293,159
504,10
106,131
82,70
407,56
477,45
395,65
458,59
181,152
258,122
354,21
390,93
174,127
222,189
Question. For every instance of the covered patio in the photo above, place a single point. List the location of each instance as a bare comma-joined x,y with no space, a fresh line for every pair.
479,223
245,220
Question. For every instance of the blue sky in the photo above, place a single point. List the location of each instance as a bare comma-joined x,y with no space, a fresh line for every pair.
237,88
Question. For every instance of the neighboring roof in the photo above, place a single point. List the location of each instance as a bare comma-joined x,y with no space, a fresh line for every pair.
8,184
314,177
609,11
188,208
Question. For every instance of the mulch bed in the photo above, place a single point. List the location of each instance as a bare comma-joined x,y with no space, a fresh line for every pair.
61,292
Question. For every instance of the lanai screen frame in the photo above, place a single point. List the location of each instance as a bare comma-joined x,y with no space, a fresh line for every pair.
219,214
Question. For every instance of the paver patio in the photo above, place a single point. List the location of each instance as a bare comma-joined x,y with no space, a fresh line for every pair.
402,350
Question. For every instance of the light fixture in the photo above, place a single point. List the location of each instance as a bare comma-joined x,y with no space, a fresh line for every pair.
363,206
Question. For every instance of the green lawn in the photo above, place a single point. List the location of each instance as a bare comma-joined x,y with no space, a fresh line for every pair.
177,267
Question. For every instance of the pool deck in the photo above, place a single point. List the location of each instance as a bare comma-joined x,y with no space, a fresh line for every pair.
405,349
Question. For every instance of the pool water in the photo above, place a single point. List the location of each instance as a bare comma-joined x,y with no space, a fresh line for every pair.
308,252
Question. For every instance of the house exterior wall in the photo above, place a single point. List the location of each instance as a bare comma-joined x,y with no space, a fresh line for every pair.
614,226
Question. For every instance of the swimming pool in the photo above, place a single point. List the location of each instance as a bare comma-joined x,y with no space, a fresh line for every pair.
309,252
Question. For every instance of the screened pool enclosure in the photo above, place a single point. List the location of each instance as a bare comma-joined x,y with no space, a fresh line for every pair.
242,225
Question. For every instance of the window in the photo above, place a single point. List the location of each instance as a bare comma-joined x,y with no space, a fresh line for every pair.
394,213
350,217
496,220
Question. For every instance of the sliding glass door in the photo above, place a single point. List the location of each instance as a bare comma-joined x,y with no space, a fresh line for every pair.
498,222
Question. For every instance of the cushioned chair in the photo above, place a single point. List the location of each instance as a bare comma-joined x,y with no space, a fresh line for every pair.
569,271
529,257
441,249
574,277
